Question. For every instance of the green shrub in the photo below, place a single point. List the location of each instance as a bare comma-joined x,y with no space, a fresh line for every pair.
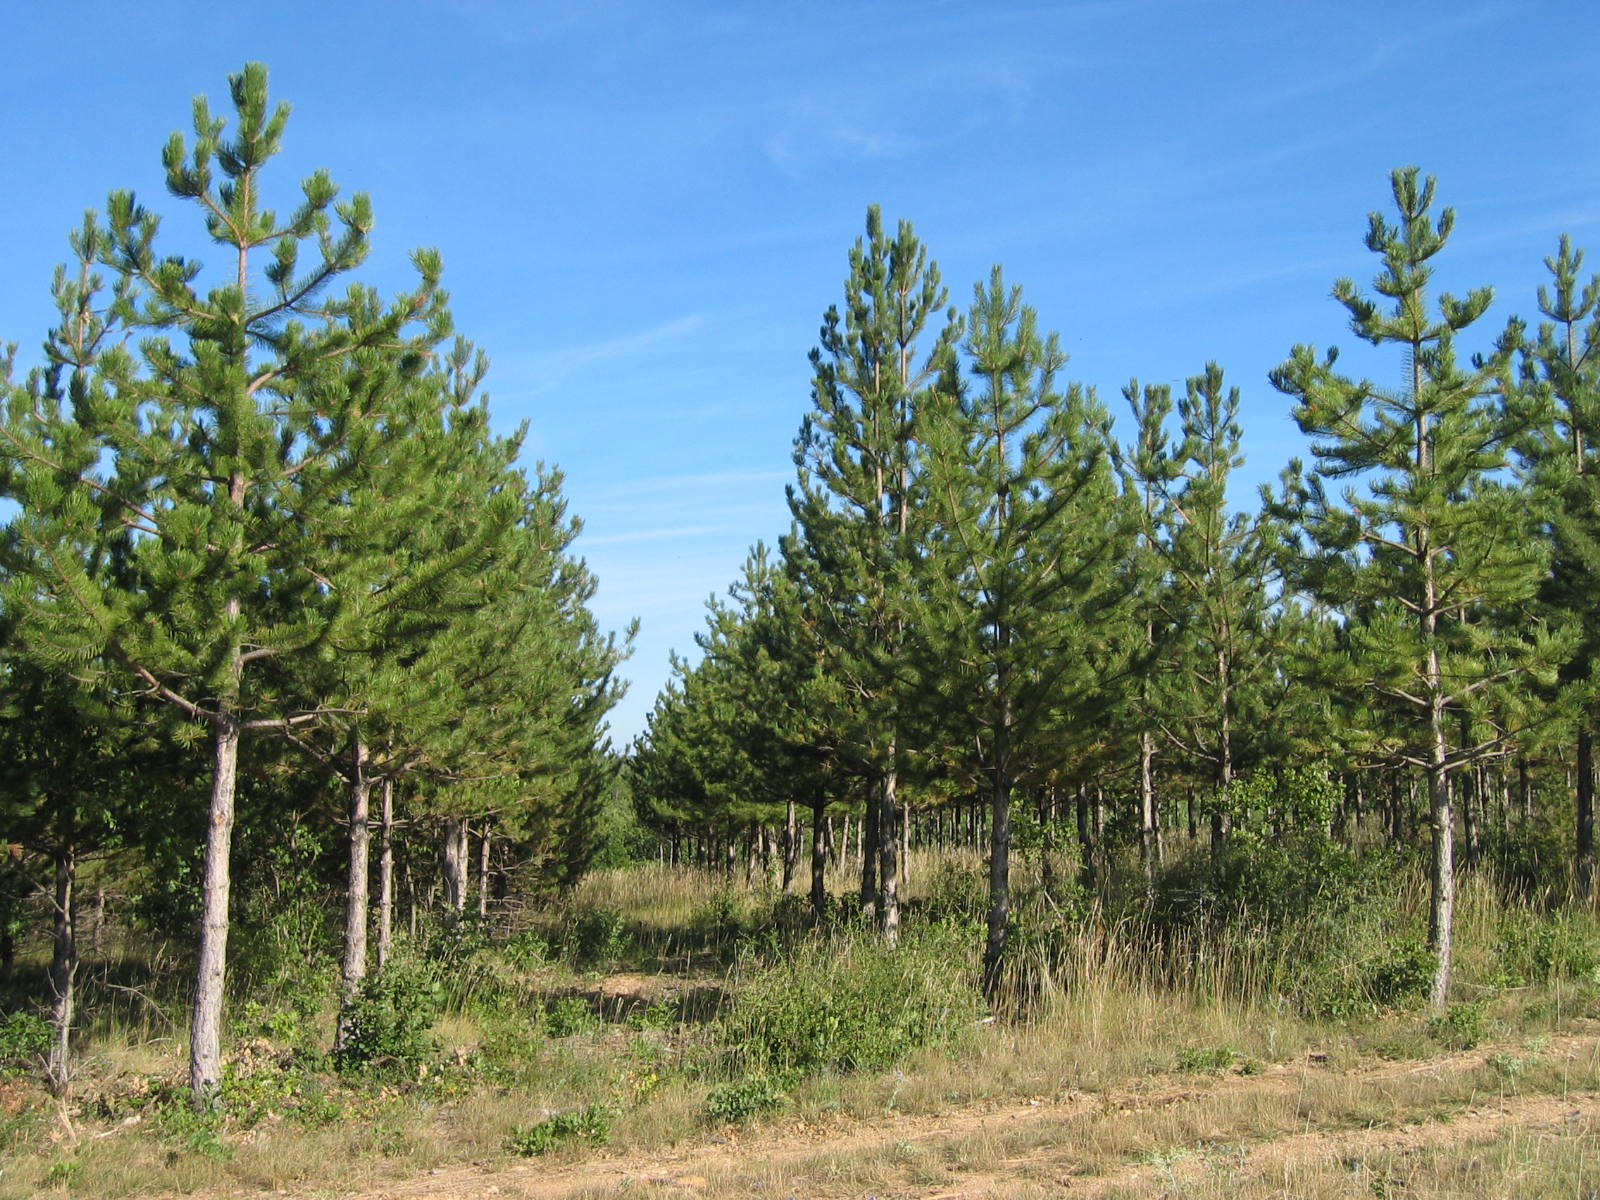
855,1004
567,1016
24,1041
389,1020
1401,979
1461,1026
594,938
749,1098
1546,947
1209,1059
591,1124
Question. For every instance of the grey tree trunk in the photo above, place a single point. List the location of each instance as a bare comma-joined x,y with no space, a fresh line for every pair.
453,857
485,842
889,860
819,858
386,873
354,966
205,1029
791,848
1585,795
63,973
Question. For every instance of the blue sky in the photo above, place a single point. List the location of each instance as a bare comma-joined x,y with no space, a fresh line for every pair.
645,208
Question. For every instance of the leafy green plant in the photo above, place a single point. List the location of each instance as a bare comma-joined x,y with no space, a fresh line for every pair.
854,1004
1206,1058
1461,1026
594,938
389,1021
567,1016
1401,979
590,1124
749,1098
24,1041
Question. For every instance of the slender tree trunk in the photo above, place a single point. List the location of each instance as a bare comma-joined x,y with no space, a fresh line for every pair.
1088,877
1147,811
999,932
1442,897
1585,795
453,857
96,939
386,873
791,847
868,834
205,1029
354,970
819,857
889,816
63,972
485,842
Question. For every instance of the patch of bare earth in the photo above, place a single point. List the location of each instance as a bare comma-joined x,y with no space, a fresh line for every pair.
1070,1145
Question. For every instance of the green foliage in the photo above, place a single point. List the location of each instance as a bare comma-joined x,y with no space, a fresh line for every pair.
957,891
751,1097
594,939
24,1041
1461,1026
1210,1059
854,1004
590,1124
1402,978
1547,948
568,1016
390,1020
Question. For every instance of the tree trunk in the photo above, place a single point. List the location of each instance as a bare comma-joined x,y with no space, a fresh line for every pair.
999,932
354,967
1088,875
889,860
453,857
867,835
205,1030
1442,892
819,857
1585,794
791,847
1147,812
63,972
485,844
386,874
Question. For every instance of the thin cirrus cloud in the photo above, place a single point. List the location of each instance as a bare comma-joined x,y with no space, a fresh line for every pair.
550,367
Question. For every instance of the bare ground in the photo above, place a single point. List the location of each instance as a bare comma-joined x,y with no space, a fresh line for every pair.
1069,1146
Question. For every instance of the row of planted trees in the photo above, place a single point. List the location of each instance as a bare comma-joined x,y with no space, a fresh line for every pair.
263,522
989,596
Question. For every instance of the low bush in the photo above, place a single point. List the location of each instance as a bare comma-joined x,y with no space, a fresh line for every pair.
854,1004
389,1021
590,1124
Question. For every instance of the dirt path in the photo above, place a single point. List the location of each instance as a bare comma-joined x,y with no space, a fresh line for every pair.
968,1153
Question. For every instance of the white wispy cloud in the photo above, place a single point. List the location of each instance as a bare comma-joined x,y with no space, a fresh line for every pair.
673,533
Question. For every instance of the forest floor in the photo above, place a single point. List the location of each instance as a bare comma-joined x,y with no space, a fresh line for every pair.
1504,1119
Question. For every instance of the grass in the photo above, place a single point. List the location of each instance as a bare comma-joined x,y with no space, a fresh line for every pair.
659,1008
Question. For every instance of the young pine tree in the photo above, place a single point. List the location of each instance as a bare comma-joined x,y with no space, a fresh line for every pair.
1436,564
230,452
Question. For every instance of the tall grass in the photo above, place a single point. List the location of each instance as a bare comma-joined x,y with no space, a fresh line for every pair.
674,1002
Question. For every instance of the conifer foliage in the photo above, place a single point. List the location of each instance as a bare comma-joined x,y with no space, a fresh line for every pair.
233,475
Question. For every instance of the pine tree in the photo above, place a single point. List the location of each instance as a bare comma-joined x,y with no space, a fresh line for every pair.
1015,610
1561,385
226,475
856,455
1436,566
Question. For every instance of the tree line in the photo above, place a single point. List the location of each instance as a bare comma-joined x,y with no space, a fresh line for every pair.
998,603
268,560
